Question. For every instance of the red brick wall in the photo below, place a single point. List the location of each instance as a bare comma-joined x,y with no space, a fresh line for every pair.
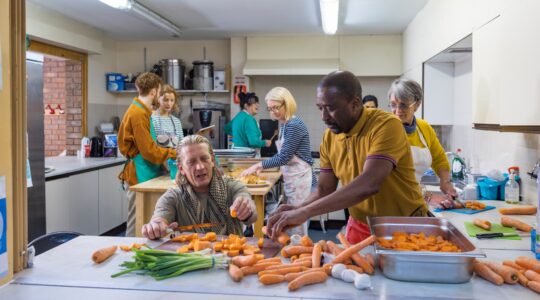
62,86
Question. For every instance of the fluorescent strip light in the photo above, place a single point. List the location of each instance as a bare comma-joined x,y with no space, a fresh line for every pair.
329,15
145,13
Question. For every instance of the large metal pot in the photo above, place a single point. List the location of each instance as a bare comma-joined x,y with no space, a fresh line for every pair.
173,72
203,75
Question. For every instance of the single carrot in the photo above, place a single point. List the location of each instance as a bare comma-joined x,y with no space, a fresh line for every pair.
305,258
292,276
528,263
354,249
522,279
102,254
512,264
256,268
306,241
324,247
304,264
532,275
371,259
355,268
283,239
306,279
260,242
316,257
283,271
336,250
233,213
534,285
235,273
356,257
485,272
304,255
518,210
510,222
233,253
297,250
243,261
125,248
508,274
328,268
268,279
484,224
259,256
271,259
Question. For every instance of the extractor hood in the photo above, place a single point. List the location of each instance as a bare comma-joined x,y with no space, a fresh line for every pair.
290,66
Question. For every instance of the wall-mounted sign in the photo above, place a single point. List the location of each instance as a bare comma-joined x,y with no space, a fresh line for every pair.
241,85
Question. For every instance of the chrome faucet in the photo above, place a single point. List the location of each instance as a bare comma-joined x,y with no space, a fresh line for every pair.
456,176
534,172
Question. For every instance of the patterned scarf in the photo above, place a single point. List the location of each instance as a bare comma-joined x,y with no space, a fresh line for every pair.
216,210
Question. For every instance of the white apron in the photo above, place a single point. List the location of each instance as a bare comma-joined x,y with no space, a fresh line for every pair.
297,184
421,157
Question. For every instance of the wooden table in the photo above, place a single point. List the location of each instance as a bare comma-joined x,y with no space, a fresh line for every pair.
147,194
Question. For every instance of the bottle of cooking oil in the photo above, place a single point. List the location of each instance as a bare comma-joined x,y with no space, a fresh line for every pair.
511,190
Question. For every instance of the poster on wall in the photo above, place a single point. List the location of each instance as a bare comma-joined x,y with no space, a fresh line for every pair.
3,229
241,85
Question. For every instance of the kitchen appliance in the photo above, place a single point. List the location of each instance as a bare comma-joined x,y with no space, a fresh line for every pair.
36,148
96,147
173,72
203,75
206,117
268,129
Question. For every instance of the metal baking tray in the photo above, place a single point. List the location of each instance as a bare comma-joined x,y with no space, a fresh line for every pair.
424,266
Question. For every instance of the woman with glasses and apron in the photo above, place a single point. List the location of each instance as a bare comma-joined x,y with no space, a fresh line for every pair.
294,156
405,98
168,128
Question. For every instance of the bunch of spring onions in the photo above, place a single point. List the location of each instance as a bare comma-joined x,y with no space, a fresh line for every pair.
166,264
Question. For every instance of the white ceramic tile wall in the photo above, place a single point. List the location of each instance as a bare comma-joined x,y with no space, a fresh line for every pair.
304,88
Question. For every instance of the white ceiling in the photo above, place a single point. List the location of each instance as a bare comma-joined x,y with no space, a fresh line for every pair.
214,19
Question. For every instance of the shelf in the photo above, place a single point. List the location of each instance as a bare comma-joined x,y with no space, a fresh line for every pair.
181,92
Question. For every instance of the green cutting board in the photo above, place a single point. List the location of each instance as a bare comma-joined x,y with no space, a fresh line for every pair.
472,230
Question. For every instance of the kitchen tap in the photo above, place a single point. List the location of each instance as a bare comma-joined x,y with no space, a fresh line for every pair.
534,172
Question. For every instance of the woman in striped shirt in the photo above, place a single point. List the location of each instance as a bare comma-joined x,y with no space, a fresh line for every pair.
294,156
167,127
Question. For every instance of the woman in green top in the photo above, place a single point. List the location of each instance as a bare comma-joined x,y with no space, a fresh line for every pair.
244,128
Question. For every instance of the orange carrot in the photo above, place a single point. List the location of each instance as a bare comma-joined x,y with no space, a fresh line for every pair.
485,272
243,261
528,263
354,249
293,258
297,250
292,276
336,250
102,254
199,245
283,271
316,257
534,285
532,275
235,273
512,264
518,210
355,268
233,213
306,279
183,249
484,224
508,274
510,222
268,279
371,259
283,239
304,255
306,241
259,256
272,259
256,268
356,257
125,248
260,242
233,253
305,264
328,268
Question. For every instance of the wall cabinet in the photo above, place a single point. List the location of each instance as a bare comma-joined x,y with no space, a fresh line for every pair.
90,203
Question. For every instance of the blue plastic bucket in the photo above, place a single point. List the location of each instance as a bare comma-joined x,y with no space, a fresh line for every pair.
491,189
173,168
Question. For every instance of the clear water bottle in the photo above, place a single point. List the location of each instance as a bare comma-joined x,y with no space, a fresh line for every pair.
511,190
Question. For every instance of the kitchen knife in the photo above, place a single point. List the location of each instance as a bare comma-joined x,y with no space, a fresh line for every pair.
494,235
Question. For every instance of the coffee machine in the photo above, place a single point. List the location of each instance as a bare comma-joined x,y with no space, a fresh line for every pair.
203,117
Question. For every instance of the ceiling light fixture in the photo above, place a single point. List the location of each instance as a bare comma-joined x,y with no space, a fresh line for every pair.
329,15
145,13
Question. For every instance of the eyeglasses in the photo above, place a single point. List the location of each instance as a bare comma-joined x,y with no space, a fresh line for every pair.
274,108
401,106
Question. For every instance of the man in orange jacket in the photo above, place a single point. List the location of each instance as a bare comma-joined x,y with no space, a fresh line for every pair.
136,141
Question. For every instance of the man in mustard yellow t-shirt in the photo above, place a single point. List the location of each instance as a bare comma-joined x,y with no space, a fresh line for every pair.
367,150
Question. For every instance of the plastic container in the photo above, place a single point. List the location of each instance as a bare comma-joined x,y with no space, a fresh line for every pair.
172,168
511,190
457,166
114,82
491,189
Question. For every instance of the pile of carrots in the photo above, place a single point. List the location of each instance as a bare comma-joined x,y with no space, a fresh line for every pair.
305,266
232,245
524,270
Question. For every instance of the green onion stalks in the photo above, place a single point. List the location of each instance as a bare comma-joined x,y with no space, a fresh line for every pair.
166,264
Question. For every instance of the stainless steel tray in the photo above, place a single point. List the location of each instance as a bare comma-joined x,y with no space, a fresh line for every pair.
424,266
